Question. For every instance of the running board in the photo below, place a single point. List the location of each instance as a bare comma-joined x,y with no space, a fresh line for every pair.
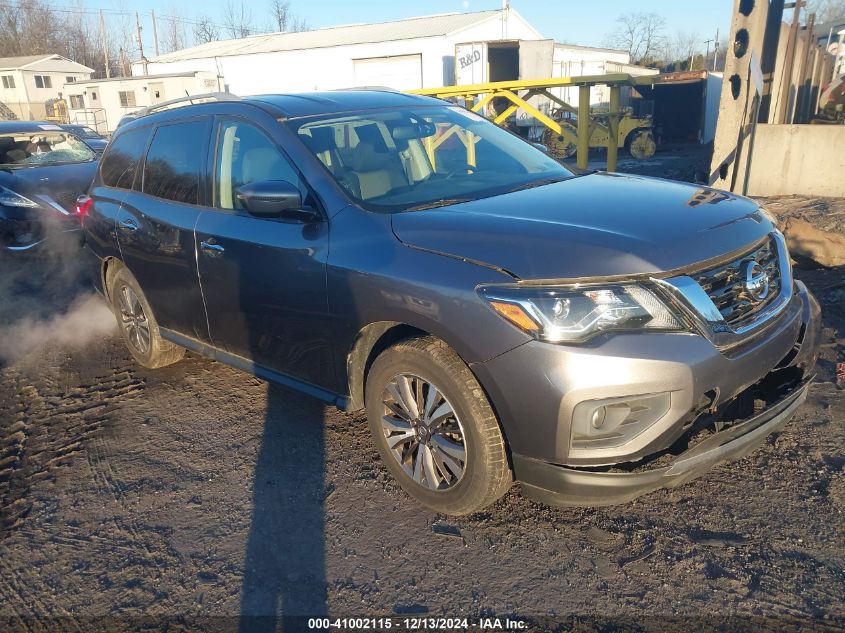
259,371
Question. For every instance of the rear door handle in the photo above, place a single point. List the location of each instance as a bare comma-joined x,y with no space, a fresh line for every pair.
211,249
129,224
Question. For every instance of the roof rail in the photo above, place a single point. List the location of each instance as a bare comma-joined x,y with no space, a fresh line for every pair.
208,96
375,88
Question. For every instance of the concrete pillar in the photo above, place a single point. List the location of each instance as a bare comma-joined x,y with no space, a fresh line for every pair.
748,33
770,55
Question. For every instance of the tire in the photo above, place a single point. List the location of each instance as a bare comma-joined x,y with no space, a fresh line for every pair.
640,144
126,293
425,362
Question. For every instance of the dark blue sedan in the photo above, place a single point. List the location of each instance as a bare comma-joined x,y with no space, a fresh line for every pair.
43,169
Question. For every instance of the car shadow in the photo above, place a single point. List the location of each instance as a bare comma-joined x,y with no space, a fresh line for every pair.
284,568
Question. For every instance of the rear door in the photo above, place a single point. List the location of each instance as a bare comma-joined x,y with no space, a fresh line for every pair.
115,181
155,224
264,280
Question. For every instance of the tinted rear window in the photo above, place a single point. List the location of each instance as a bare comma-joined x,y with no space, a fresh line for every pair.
122,159
175,159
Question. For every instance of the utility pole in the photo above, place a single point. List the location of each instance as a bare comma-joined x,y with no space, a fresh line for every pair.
105,44
155,31
140,43
706,52
715,50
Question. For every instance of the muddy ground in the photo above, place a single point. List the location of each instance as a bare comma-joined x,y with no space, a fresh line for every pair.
194,497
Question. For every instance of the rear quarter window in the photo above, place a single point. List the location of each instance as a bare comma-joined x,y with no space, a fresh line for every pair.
121,160
175,160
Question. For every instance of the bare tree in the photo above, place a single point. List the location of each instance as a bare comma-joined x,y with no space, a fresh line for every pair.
31,27
237,19
683,50
283,19
641,34
173,33
826,10
205,30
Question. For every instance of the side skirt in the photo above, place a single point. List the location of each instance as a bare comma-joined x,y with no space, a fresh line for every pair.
259,371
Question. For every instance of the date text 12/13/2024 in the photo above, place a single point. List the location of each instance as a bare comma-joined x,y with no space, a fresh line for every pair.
418,624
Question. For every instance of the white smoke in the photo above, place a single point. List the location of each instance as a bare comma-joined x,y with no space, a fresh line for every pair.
87,319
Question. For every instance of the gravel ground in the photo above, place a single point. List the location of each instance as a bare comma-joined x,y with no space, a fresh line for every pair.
195,497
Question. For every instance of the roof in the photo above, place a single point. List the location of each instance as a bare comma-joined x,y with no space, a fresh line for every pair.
190,73
338,101
14,63
410,28
293,106
26,127
578,47
10,63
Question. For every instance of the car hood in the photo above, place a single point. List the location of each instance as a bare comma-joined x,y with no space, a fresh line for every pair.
97,144
590,226
59,183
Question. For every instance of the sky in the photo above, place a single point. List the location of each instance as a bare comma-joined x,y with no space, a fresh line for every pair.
584,22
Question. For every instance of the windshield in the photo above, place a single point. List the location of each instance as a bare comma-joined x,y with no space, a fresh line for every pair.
427,157
45,147
85,132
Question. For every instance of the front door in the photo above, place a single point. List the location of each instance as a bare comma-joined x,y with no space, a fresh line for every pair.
264,280
155,225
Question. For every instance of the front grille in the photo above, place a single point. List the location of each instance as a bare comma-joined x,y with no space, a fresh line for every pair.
725,285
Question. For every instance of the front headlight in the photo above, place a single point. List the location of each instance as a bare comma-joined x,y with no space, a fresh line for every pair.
9,198
574,314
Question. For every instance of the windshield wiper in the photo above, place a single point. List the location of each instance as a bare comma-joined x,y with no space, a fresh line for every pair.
536,183
437,203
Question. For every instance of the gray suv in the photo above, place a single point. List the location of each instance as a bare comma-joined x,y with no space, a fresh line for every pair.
500,318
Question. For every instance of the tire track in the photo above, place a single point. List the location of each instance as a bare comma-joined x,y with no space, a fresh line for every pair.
47,426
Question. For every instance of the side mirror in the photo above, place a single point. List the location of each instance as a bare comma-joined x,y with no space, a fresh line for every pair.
274,199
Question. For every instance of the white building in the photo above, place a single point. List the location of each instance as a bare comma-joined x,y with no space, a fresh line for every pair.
577,61
100,103
423,52
26,83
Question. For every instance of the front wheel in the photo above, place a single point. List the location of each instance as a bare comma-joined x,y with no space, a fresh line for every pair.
434,427
641,144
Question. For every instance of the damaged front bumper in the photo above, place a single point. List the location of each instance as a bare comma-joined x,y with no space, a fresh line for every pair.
559,485
720,405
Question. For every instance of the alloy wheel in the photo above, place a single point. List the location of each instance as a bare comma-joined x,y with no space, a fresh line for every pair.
423,432
134,320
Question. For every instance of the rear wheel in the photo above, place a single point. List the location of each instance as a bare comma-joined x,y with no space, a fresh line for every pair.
138,325
434,427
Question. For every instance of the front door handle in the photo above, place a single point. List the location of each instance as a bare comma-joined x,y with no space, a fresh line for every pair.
129,224
211,249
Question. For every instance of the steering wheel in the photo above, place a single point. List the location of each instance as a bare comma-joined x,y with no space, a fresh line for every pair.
463,169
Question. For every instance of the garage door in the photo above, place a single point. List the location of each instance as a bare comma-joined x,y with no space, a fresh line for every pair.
402,72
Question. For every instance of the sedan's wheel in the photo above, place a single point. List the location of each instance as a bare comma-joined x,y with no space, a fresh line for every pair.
138,325
434,427
423,432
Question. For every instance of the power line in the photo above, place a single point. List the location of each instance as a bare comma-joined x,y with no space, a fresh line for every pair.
18,4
